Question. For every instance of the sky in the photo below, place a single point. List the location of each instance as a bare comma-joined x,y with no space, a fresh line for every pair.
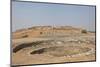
27,14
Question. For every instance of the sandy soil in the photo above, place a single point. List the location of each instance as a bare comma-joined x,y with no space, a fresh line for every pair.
73,47
23,56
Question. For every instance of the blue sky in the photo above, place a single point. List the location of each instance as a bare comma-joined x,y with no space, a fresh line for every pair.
25,14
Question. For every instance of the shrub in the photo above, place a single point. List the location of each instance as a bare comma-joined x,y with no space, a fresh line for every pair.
24,36
83,31
41,33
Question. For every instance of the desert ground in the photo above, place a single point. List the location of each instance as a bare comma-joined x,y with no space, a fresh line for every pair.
46,44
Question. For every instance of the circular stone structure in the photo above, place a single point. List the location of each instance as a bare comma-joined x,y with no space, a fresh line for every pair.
60,50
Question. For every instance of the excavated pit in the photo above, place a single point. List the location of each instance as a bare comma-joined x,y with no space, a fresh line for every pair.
34,44
52,47
25,45
61,50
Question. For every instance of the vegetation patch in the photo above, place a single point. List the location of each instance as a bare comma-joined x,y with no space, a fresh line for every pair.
84,31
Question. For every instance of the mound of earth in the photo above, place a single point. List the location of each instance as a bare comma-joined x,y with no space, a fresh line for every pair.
41,45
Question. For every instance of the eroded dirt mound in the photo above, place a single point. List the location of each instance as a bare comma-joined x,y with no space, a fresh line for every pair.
55,45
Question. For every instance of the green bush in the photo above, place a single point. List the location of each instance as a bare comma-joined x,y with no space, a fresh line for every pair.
83,31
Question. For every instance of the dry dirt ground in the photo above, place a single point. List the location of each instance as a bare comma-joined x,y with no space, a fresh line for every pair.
53,49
